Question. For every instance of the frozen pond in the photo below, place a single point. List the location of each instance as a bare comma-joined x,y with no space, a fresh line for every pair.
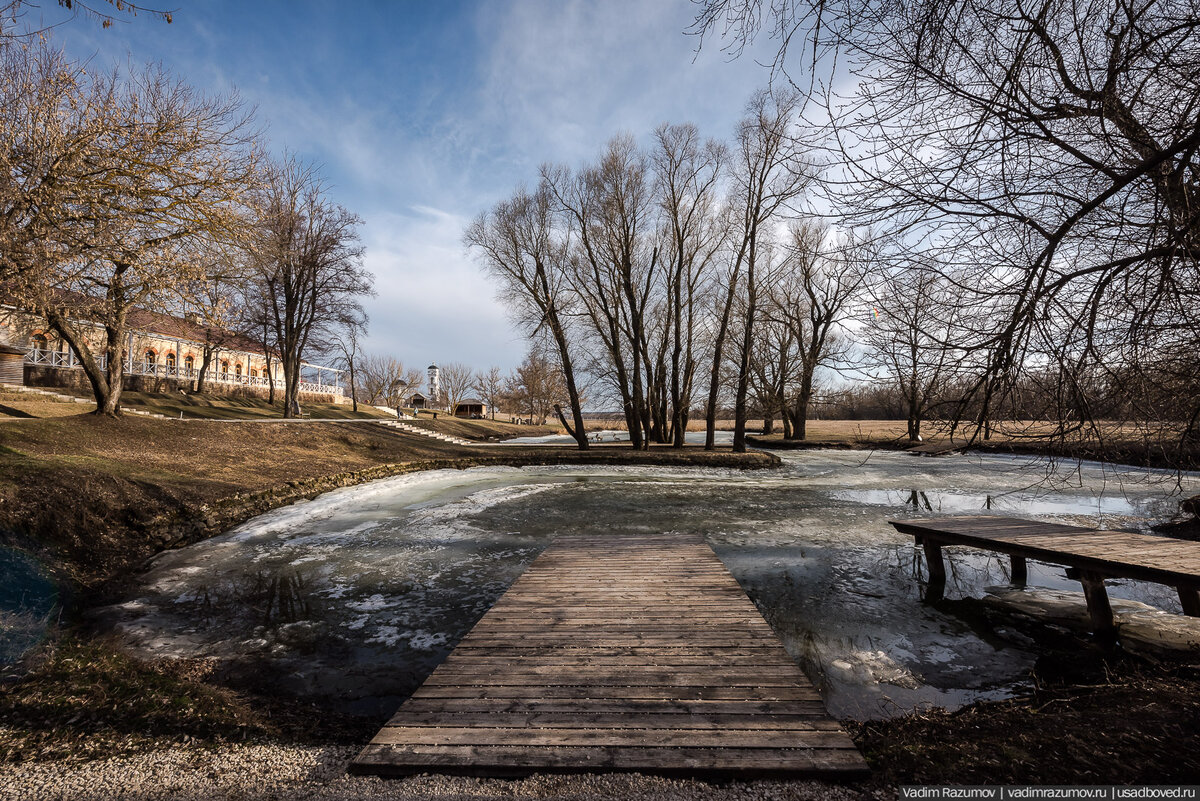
356,596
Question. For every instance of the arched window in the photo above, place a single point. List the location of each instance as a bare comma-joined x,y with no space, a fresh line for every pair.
254,372
151,358
40,342
237,369
189,362
170,360
224,369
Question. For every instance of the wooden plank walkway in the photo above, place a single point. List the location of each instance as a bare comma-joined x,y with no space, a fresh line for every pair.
617,654
1092,555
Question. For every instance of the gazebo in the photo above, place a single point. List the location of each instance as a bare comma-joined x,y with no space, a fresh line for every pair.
471,408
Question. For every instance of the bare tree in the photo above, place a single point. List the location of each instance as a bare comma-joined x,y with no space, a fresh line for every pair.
769,173
456,381
609,207
490,386
348,343
164,169
914,325
385,381
308,266
687,171
529,258
809,295
536,386
1046,152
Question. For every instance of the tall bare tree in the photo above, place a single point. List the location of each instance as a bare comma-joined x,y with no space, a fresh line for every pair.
610,207
769,173
308,264
522,249
687,171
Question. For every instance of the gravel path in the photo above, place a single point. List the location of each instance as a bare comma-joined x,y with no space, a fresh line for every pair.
281,772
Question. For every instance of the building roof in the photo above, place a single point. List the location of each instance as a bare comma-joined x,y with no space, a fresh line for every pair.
165,325
12,351
471,402
432,367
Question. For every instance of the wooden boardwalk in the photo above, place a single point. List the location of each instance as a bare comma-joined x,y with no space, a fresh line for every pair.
617,654
1092,555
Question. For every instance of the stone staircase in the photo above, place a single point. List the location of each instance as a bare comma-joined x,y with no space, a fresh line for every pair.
424,432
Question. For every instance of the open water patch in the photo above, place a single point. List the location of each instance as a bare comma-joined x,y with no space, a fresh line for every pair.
28,600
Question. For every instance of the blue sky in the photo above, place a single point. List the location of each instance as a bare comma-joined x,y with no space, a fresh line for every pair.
422,114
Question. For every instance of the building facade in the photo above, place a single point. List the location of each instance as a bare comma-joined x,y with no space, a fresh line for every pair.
163,354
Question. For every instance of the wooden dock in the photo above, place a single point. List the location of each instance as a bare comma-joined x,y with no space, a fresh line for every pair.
618,653
1091,556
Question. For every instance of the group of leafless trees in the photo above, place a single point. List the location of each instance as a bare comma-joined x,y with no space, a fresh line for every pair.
1009,209
1030,167
130,189
643,276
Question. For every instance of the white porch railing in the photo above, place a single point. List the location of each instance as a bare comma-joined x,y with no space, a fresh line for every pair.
52,358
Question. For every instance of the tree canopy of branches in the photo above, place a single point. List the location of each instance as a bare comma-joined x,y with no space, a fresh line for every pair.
639,266
112,183
1046,154
308,263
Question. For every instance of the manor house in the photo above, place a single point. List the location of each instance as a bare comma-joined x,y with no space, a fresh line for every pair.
164,354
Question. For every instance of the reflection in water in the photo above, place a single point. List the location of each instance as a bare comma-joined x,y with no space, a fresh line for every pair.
358,595
28,598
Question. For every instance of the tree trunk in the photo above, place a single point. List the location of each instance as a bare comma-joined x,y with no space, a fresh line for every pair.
353,388
206,357
108,401
743,380
714,384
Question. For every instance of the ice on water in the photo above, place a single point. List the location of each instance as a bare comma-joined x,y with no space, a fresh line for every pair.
358,594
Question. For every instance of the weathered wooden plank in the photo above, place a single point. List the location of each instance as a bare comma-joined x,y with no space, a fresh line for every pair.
625,719
1090,554
761,737
644,691
518,761
1115,554
617,653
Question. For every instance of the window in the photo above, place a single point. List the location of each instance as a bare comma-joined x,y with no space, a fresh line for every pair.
151,358
170,361
254,372
40,342
237,369
189,362
224,369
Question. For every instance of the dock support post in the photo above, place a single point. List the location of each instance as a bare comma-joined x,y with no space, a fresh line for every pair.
1189,598
937,570
1020,572
1098,606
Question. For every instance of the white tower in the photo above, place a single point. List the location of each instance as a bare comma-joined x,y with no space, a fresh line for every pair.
435,385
